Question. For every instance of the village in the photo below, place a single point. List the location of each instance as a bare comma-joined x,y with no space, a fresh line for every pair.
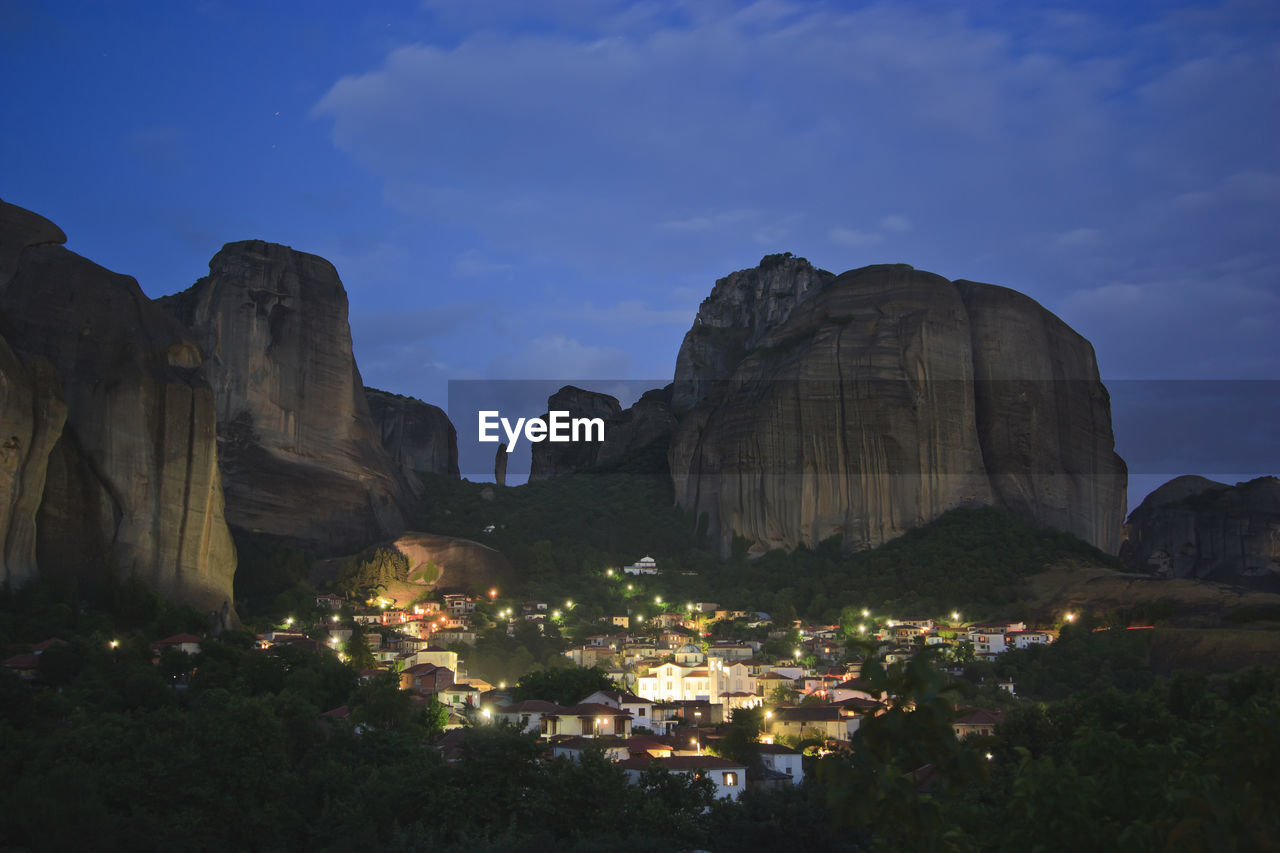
675,684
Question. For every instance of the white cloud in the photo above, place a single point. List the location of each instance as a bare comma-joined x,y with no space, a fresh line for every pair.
895,223
854,238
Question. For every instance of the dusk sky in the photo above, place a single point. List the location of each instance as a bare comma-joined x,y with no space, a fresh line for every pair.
547,190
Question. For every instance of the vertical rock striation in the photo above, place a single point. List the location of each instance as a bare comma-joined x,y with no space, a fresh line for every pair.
1192,527
132,484
866,404
301,456
417,436
1044,417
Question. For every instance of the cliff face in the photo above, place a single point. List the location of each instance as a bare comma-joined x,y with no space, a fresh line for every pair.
870,403
417,436
301,456
625,430
853,416
1192,527
132,482
1044,417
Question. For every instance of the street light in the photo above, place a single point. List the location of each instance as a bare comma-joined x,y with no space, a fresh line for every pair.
657,599
114,644
865,613
1071,617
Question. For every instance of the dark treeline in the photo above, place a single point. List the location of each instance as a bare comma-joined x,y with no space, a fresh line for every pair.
105,751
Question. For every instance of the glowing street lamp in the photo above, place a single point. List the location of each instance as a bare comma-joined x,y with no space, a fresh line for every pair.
493,593
568,604
114,644
608,573
955,615
865,613
1071,617
657,599
288,621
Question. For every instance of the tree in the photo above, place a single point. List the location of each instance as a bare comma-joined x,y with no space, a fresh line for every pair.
741,740
359,655
566,686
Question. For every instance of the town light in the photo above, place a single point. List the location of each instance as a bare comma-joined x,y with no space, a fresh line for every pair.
609,573
688,607
768,715
862,629
335,618
990,756
288,621
1071,617
555,614
639,619
487,713
955,615
630,587
114,643
502,685
797,653
865,613
657,599
569,604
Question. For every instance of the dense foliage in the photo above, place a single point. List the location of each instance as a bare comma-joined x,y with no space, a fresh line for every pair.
229,749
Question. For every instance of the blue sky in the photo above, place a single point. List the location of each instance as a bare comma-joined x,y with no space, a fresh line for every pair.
547,190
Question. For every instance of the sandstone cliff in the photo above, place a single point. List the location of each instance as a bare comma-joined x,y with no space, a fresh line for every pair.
854,416
301,456
417,436
132,482
1044,417
869,403
625,430
1192,527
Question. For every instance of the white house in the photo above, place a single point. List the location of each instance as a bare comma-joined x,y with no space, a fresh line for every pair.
782,759
641,709
729,777
643,566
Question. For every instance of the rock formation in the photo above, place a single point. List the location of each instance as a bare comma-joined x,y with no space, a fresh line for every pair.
1044,417
301,456
869,403
1192,527
132,484
418,436
625,430
500,465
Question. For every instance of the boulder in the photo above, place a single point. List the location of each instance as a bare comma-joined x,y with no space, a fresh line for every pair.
301,456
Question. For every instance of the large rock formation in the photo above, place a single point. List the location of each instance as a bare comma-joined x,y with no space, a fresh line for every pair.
131,484
854,415
1044,417
625,430
867,404
1193,527
301,456
418,436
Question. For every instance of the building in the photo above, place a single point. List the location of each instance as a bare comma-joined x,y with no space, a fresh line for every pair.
832,722
782,759
977,721
643,566
729,777
641,709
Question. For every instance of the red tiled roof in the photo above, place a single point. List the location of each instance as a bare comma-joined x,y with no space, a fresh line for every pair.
178,638
27,660
532,706
683,763
595,709
980,717
47,644
338,713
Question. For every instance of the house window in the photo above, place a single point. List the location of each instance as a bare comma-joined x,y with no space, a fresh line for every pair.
788,769
640,711
731,780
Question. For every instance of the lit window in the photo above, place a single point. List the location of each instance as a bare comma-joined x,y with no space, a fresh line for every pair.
731,780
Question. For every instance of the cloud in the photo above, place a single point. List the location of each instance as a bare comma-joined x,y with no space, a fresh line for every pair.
854,238
631,313
474,264
633,143
556,356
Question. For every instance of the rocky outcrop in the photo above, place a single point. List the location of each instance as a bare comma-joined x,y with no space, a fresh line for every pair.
418,436
32,415
869,403
500,465
301,456
1044,417
853,416
132,484
1192,527
625,430
743,307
